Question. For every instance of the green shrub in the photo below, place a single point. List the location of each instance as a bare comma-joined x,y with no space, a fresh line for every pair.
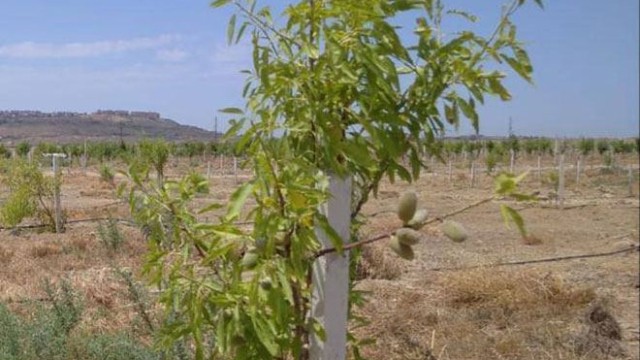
110,347
30,193
9,335
110,236
51,334
491,160
4,152
107,174
23,148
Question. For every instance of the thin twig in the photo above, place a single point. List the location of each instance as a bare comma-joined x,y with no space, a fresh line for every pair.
634,247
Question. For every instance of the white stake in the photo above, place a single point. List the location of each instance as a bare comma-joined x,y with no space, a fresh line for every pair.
330,296
473,173
84,159
561,182
578,165
513,160
56,195
630,178
539,166
235,169
58,207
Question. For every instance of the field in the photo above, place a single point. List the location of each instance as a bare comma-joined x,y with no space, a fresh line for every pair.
454,301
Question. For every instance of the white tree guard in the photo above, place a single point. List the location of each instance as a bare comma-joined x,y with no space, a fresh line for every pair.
330,297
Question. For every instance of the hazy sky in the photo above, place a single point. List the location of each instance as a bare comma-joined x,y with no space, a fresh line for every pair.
171,56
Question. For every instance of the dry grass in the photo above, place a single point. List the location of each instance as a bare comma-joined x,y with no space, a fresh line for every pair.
6,255
376,262
489,314
512,291
45,250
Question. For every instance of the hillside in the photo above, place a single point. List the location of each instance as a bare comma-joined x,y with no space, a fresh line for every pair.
102,125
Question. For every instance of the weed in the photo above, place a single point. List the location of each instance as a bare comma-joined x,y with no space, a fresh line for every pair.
51,334
110,236
139,297
67,308
106,174
9,335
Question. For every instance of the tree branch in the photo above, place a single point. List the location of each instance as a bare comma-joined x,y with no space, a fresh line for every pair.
384,236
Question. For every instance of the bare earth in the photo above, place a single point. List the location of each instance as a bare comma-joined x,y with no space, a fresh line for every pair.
442,305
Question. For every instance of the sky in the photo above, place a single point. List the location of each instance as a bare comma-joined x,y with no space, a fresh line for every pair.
171,56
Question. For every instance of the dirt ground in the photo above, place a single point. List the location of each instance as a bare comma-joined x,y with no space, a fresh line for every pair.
453,301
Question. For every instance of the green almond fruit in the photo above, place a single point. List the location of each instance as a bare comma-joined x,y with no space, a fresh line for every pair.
235,252
408,236
404,251
407,206
266,283
454,231
250,259
419,219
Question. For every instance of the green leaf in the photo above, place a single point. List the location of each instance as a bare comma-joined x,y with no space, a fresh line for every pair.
505,184
237,200
521,68
310,50
232,132
219,3
496,86
241,30
511,215
264,331
470,17
231,28
232,110
210,207
334,238
451,114
521,177
469,110
318,330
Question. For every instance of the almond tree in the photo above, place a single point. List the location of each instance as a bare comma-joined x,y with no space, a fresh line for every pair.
336,90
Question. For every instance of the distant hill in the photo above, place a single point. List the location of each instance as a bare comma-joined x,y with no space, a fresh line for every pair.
102,125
